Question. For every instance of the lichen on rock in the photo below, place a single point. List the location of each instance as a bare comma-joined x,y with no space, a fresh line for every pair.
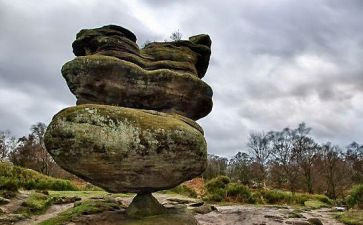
126,150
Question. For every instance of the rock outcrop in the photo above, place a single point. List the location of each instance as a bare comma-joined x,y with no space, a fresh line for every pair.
127,150
163,76
133,128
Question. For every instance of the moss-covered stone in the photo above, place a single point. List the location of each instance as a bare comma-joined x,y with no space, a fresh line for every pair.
126,150
108,80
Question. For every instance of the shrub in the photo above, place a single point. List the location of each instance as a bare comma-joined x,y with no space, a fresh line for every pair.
184,190
217,195
219,182
355,199
276,197
216,189
239,193
8,184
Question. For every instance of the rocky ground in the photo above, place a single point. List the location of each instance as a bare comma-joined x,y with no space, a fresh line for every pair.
204,213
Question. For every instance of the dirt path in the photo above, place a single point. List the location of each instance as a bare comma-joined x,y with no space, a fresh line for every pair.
262,215
53,211
16,202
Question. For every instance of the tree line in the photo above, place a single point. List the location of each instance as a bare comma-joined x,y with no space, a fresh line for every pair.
291,159
287,159
29,152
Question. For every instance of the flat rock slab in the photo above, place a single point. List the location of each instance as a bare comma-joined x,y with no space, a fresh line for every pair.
174,217
127,150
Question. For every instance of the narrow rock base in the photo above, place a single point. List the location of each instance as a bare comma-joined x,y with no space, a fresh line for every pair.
144,205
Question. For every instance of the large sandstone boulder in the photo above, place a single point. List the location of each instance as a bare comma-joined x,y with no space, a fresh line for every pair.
108,80
127,150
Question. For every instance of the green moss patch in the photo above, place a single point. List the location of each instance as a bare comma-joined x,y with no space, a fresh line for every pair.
86,207
351,217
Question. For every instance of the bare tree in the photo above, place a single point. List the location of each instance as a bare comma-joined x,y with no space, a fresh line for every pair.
354,157
240,168
284,155
7,144
306,151
259,145
176,36
334,168
30,151
216,166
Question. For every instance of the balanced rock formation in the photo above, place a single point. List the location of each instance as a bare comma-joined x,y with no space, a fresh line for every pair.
133,128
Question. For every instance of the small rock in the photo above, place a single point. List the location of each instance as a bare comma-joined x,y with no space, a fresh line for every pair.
340,209
204,209
273,217
66,200
298,222
197,204
44,192
4,201
315,221
180,201
11,218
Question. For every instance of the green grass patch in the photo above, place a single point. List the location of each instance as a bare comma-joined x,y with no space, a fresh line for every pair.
286,197
351,217
36,203
315,204
86,207
14,177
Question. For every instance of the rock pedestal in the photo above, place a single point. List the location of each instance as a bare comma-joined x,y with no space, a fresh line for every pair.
133,128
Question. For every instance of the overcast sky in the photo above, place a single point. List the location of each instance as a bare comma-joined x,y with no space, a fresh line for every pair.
275,63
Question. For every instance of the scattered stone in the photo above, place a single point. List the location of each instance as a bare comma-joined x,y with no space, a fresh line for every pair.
295,215
204,209
315,221
197,204
4,201
66,200
298,222
340,209
11,218
181,201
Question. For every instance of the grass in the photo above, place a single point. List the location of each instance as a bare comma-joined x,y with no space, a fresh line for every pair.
222,189
315,204
14,177
351,217
36,203
83,208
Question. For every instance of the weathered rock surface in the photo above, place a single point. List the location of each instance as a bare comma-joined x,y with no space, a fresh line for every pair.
126,150
108,80
191,56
